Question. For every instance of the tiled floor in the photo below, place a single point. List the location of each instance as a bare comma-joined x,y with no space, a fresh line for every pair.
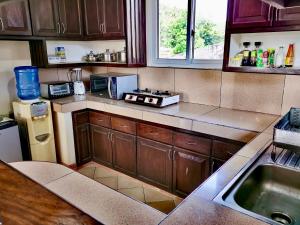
133,188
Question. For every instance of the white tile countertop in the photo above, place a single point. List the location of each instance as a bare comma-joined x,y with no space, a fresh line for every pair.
228,123
102,203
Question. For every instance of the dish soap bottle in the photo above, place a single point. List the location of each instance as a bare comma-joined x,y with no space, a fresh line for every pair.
246,54
289,59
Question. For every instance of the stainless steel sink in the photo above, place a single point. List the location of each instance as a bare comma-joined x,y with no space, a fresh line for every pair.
267,190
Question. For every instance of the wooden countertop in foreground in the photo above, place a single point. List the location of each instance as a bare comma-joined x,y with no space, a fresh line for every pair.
22,201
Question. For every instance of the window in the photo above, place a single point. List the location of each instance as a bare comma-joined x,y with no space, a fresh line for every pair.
186,33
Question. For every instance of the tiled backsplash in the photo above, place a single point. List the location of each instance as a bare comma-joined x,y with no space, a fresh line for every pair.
266,93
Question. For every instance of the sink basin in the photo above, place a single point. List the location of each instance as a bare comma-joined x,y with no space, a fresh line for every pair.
272,192
267,188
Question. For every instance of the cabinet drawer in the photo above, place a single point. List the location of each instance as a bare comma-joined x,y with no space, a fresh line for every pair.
223,150
198,144
80,118
123,125
100,119
155,133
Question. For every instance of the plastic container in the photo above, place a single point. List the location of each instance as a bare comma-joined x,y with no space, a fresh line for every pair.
28,85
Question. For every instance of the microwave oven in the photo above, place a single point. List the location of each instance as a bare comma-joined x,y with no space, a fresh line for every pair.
113,85
57,89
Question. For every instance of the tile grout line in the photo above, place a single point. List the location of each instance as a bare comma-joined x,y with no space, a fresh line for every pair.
283,92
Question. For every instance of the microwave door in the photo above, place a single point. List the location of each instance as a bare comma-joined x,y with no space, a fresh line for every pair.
109,87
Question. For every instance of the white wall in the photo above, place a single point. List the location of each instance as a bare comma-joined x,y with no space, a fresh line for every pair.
12,54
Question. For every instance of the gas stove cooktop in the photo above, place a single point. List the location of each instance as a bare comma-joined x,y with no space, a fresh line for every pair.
152,98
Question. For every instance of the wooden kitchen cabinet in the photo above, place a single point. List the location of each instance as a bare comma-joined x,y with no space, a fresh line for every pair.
250,14
154,163
15,18
189,171
70,18
44,17
124,152
101,145
287,17
82,137
55,18
104,18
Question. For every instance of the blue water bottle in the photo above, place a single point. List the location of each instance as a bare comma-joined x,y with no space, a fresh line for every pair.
28,85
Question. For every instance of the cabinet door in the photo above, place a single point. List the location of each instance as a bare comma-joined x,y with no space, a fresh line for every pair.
250,13
287,17
113,11
44,17
124,152
154,163
82,144
14,18
101,145
70,18
189,171
93,17
216,164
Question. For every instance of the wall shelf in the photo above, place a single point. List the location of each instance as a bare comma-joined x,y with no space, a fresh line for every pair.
249,69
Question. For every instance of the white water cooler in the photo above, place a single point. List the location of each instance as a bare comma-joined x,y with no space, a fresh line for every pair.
36,130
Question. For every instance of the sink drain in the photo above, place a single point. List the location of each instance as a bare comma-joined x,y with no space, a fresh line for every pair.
282,218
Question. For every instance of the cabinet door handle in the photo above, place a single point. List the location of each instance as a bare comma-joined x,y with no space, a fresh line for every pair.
63,27
173,157
269,14
108,136
212,167
191,143
169,155
58,30
277,12
111,137
2,25
123,126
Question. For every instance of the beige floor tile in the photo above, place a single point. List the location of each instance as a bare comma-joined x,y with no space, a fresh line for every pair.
135,193
104,172
111,182
163,206
88,171
128,182
152,195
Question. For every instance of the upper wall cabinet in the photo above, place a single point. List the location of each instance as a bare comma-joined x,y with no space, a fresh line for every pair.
104,18
15,18
53,18
287,17
250,13
260,16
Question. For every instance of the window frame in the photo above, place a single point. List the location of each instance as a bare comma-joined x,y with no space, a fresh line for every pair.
152,25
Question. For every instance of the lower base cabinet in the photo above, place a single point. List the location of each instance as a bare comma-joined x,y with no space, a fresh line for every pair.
154,163
124,152
101,145
189,171
82,138
174,161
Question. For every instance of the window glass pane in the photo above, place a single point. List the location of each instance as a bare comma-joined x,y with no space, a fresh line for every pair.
172,28
210,24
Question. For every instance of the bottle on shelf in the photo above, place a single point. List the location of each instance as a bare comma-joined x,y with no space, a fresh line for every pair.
254,54
265,59
246,54
289,59
271,57
279,60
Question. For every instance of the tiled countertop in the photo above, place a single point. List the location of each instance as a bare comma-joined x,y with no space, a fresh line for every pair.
232,124
198,207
